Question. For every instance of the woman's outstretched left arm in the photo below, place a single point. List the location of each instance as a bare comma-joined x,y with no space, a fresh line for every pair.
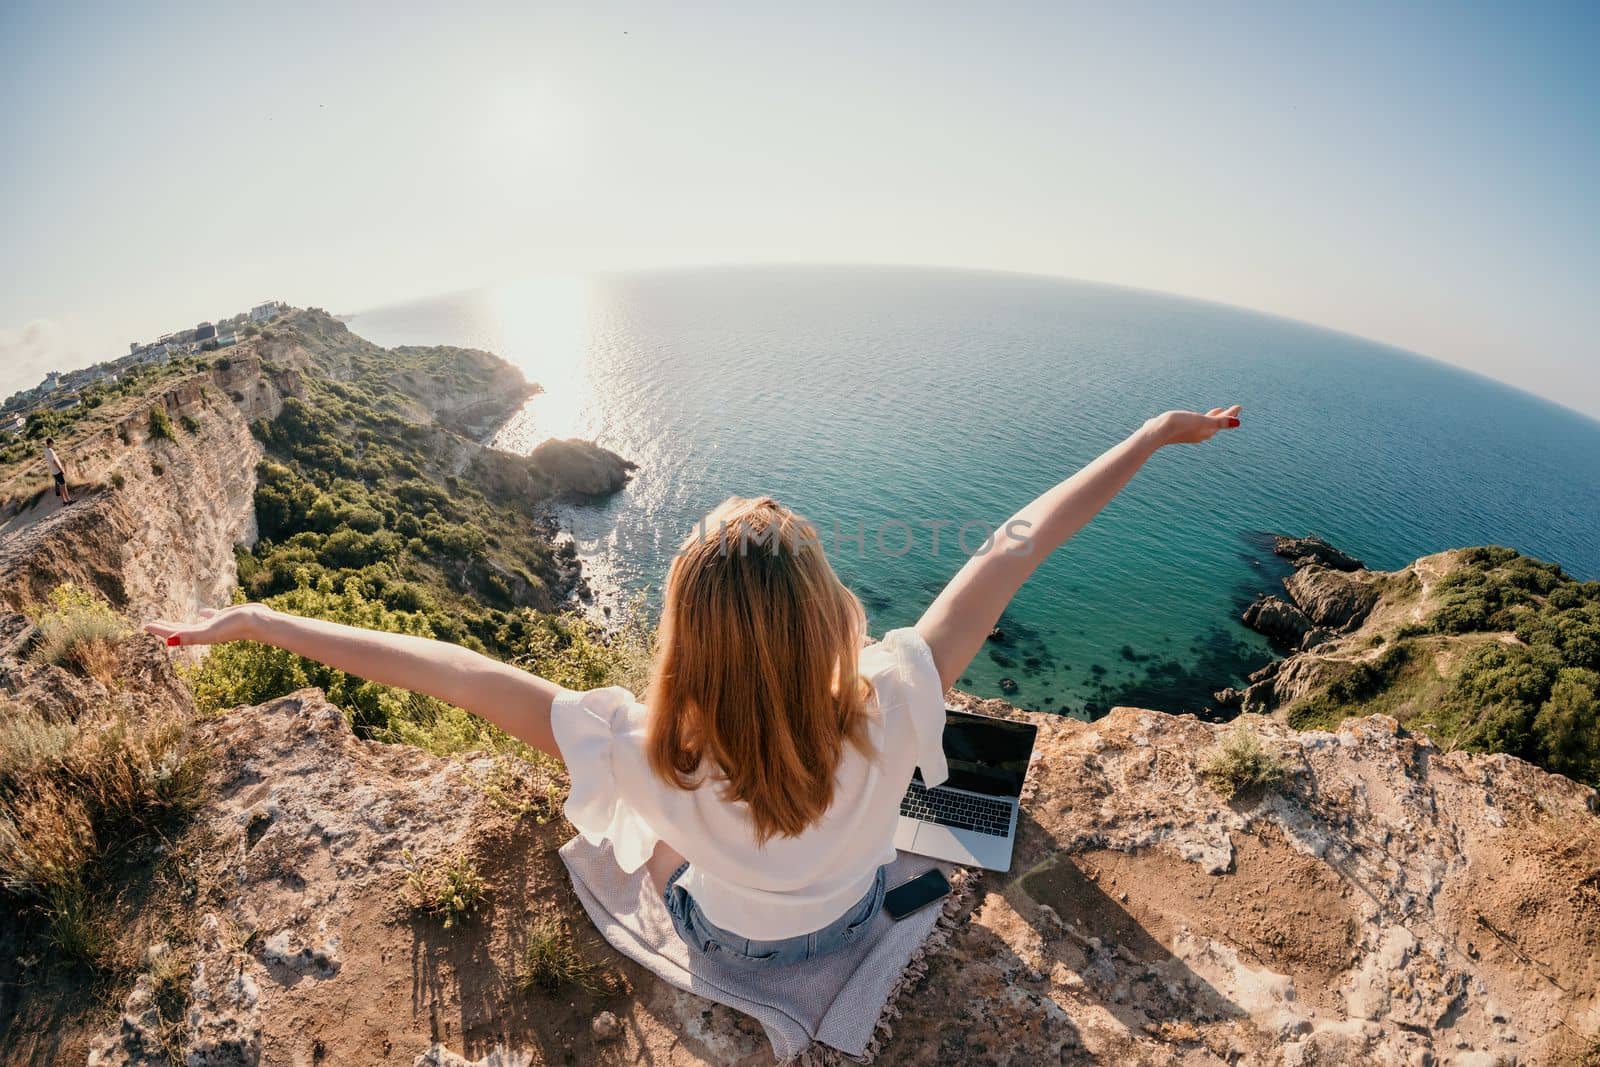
960,618
512,699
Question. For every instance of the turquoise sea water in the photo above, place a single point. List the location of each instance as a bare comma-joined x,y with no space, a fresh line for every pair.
889,399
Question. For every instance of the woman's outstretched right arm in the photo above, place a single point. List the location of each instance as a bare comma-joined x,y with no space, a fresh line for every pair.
512,699
962,616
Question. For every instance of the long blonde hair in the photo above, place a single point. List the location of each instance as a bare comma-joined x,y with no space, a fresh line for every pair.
755,681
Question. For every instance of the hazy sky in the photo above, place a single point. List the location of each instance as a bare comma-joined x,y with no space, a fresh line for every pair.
1427,177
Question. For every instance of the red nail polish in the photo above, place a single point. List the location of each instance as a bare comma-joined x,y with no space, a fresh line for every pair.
1232,421
173,640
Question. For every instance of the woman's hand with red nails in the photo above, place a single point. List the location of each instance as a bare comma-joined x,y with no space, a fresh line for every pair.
1191,427
238,623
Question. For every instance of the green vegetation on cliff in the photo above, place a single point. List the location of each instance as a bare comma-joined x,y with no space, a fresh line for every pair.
1508,661
371,513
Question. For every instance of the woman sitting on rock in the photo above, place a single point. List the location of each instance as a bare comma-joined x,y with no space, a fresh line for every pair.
760,778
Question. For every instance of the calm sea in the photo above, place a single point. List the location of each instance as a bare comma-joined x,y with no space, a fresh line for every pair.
882,402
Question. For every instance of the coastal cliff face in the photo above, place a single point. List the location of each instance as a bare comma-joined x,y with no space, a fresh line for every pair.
157,515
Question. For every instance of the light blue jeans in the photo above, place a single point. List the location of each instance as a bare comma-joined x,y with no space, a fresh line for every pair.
700,935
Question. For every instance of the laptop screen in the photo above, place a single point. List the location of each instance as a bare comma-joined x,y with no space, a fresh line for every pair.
986,755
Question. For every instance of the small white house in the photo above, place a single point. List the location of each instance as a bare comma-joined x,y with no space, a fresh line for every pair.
262,312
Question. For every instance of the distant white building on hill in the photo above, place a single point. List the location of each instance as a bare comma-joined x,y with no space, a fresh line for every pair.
262,312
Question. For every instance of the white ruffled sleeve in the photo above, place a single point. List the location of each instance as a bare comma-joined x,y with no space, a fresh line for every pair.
901,670
588,727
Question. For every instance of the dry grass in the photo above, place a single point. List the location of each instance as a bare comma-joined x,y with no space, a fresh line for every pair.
1240,763
73,795
80,631
170,995
30,741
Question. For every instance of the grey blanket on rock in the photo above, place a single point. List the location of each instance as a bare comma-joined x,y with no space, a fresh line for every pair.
839,1001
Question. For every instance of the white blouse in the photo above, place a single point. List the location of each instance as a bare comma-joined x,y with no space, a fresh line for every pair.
790,885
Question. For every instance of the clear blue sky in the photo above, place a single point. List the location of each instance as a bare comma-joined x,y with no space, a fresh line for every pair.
1429,177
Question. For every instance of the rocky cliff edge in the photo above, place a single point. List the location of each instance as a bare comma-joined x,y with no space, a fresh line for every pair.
1384,902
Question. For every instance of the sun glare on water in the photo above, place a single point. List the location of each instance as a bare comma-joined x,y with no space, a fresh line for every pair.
545,325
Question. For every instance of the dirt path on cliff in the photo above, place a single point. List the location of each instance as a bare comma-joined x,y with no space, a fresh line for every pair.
42,510
45,545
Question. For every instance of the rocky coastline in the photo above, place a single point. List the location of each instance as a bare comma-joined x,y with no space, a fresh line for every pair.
1329,596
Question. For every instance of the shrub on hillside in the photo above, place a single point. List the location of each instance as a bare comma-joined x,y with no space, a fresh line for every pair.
160,424
1532,697
77,629
249,673
1567,725
1240,762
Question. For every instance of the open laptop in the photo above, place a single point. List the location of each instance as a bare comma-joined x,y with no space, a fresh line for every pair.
972,817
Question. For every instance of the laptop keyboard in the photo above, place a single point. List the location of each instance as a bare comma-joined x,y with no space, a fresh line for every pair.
957,810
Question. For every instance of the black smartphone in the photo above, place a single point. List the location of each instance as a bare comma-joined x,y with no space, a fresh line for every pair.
916,894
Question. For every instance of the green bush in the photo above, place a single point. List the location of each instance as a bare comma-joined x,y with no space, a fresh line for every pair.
160,424
1567,725
78,629
568,650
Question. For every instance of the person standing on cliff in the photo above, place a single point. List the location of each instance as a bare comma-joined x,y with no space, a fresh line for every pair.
57,471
